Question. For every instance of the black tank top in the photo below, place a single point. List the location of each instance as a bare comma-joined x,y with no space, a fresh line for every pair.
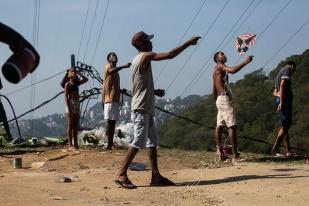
73,88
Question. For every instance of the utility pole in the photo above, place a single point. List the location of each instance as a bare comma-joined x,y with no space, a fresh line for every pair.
72,61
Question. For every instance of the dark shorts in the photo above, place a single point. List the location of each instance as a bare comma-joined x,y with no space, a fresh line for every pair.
285,113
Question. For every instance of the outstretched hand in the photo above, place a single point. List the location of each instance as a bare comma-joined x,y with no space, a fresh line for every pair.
127,65
249,58
123,91
279,108
159,92
193,40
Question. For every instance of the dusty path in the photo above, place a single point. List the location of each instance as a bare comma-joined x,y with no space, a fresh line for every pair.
198,183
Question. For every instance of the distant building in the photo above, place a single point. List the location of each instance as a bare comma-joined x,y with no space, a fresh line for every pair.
169,107
91,114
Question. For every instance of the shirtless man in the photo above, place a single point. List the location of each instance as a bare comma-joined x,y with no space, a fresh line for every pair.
223,96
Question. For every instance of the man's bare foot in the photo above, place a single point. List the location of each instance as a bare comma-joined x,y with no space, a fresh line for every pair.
222,157
291,153
276,153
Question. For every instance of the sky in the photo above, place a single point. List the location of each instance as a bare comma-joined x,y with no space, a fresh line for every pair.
60,25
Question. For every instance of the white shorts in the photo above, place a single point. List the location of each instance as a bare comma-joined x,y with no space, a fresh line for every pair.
111,111
145,134
226,112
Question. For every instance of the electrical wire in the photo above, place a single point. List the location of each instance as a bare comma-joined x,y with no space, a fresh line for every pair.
182,37
83,32
198,76
201,71
242,23
99,37
196,47
43,80
91,28
288,40
269,24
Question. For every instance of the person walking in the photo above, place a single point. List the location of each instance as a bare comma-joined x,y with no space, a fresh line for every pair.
143,105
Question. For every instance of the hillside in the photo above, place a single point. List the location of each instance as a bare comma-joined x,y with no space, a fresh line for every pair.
256,114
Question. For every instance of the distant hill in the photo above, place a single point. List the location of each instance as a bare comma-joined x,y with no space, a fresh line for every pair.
255,110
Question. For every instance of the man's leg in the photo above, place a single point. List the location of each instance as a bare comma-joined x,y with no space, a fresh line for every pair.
278,141
122,175
156,178
110,133
139,141
69,129
7,130
232,132
218,135
287,125
287,142
75,131
5,123
153,158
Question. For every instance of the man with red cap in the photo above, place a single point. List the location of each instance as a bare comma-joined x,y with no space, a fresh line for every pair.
143,105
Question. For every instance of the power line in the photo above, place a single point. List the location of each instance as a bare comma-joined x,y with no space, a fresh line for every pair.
99,37
289,39
274,19
242,23
196,47
35,83
200,74
83,32
182,37
91,28
37,6
37,107
269,24
88,39
201,70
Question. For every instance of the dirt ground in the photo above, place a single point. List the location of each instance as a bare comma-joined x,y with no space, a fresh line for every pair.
200,180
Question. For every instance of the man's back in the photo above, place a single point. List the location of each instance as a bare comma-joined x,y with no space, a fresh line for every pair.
284,74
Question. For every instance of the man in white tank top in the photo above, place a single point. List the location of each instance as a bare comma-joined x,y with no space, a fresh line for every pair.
143,103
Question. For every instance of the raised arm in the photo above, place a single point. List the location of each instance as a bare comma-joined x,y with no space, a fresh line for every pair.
238,67
111,69
152,56
84,78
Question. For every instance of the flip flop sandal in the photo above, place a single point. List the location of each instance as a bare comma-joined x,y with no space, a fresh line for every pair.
163,182
125,185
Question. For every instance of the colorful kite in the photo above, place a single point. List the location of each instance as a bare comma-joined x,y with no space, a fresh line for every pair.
244,42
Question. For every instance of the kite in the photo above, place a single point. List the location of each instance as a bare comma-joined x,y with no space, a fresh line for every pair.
244,42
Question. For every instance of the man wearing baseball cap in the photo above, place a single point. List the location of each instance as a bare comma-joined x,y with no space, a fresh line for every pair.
143,105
